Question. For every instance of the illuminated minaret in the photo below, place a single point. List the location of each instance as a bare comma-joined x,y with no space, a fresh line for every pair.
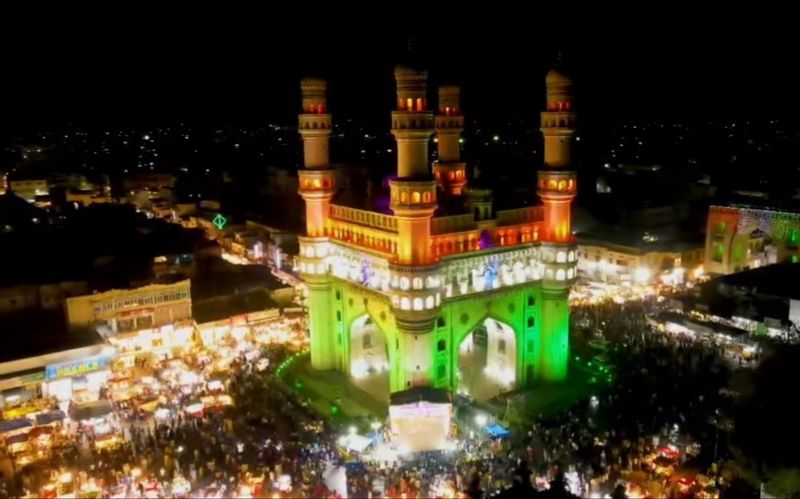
415,284
413,193
317,189
557,185
449,171
316,178
556,182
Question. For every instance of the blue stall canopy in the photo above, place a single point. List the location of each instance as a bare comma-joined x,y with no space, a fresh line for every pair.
497,431
17,439
14,424
49,417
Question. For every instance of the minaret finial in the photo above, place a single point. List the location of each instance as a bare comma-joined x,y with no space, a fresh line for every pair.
559,59
413,54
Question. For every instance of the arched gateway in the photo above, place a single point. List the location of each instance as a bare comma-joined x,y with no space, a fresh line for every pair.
444,292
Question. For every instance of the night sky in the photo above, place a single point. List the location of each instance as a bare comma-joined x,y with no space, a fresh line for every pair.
148,67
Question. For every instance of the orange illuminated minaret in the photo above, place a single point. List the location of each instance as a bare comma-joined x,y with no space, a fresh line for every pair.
413,193
557,188
316,178
557,183
449,171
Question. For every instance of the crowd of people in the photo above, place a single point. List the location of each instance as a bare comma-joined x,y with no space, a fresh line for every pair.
666,393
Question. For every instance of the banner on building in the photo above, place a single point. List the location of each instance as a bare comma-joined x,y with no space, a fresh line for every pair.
75,368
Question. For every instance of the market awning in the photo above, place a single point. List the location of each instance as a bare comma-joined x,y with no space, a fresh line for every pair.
39,431
49,417
14,424
17,439
90,410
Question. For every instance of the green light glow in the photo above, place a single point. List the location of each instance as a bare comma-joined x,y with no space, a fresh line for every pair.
555,336
719,252
219,221
540,328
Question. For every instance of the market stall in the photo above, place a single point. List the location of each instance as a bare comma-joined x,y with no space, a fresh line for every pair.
194,408
163,412
41,436
17,444
15,426
91,410
148,403
107,438
352,446
120,388
495,430
50,418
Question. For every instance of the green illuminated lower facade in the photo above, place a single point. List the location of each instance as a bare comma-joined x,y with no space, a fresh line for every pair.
537,318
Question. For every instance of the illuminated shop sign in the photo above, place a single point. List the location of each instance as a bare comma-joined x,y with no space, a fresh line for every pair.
75,368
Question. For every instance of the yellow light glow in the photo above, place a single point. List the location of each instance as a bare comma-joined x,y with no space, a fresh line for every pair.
641,275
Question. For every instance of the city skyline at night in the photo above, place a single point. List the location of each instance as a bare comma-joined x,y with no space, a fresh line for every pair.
402,251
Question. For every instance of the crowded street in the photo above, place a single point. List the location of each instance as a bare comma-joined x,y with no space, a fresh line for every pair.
220,422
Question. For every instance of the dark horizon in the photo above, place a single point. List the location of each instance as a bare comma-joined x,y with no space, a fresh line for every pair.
109,75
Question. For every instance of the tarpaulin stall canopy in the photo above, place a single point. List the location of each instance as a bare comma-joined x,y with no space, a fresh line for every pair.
194,407
91,410
50,417
41,437
17,444
16,439
13,425
496,431
354,443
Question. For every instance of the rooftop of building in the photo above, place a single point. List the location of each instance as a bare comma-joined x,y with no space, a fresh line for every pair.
15,212
688,321
668,240
110,245
220,278
29,334
778,280
223,307
759,201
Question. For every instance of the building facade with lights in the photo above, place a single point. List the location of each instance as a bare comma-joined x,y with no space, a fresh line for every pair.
639,262
410,293
151,319
742,237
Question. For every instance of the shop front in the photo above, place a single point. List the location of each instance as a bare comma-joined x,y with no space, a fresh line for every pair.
76,381
213,334
18,394
161,342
